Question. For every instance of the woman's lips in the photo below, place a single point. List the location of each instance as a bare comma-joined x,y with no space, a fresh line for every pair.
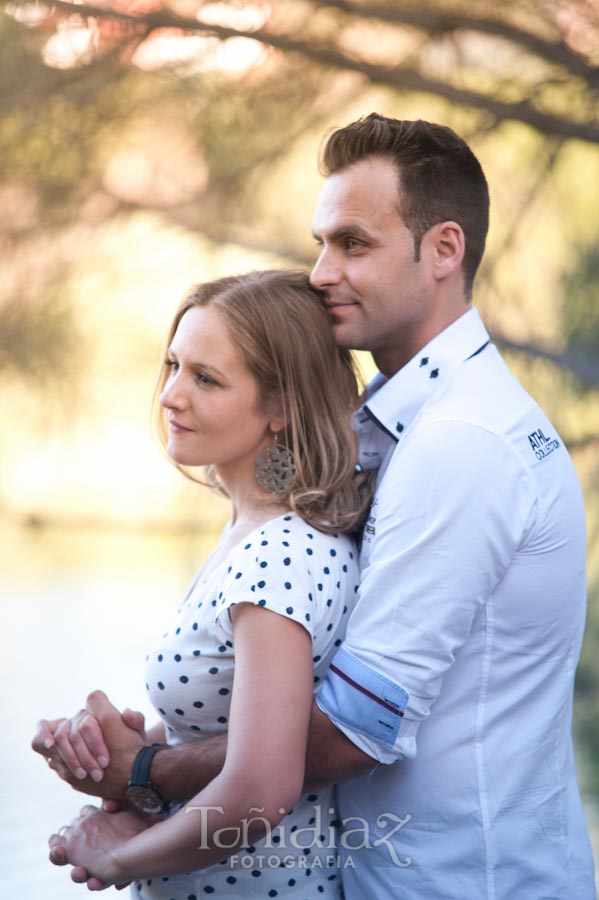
177,427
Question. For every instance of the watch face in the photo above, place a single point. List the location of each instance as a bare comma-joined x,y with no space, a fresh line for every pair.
145,799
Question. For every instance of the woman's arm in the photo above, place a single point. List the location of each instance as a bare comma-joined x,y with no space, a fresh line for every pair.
263,772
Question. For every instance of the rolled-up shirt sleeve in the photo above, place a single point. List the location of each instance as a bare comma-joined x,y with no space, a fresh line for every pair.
449,515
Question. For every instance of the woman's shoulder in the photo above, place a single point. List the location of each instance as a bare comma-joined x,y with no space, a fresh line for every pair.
290,535
298,542
292,527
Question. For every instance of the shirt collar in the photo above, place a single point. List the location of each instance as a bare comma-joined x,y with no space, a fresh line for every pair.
393,403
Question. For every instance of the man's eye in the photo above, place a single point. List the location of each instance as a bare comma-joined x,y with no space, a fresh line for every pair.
171,364
352,244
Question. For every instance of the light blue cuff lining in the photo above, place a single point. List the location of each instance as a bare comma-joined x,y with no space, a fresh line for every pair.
362,700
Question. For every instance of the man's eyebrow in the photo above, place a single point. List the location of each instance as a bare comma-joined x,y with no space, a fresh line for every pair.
345,231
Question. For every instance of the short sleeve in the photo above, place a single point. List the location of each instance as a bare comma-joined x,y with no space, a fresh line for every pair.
272,569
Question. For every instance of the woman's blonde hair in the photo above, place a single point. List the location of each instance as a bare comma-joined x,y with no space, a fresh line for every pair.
283,332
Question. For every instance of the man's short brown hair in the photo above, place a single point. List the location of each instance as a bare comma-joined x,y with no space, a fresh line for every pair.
440,179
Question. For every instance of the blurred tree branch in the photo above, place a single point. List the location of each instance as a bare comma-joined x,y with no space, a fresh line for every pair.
431,22
586,370
55,125
440,22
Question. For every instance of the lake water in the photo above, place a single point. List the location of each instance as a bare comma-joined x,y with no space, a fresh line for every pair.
73,620
78,614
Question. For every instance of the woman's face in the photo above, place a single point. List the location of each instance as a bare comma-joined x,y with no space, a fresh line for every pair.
215,414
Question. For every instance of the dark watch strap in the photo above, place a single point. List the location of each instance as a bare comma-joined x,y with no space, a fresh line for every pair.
140,773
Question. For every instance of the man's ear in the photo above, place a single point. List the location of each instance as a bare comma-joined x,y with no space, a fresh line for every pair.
447,246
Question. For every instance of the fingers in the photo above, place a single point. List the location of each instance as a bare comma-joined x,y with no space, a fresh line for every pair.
89,744
94,884
79,742
111,806
80,746
58,854
103,710
52,739
80,875
43,739
135,720
88,810
66,735
58,851
57,765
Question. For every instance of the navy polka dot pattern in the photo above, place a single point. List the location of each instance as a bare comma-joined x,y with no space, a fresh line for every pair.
287,567
311,564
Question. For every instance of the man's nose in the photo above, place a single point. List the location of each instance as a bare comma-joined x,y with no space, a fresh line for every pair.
325,271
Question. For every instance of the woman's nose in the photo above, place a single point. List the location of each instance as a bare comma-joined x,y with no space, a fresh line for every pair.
172,395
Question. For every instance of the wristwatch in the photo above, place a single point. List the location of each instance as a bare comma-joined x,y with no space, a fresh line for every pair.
141,793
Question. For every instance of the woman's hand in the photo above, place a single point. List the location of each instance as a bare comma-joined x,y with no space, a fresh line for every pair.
89,844
94,750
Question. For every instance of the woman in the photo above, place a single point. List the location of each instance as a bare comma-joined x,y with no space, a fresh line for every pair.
255,389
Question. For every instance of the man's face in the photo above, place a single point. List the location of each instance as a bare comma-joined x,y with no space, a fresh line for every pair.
379,297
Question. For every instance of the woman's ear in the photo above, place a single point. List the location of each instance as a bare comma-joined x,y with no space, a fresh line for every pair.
277,423
447,245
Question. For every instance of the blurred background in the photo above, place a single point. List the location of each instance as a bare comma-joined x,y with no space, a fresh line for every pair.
147,145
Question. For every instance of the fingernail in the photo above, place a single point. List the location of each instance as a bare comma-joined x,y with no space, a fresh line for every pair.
97,774
102,760
48,743
80,773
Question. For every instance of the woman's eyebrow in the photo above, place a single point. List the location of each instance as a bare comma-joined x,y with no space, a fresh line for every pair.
197,365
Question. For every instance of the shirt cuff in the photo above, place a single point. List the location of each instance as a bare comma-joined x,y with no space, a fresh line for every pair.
367,707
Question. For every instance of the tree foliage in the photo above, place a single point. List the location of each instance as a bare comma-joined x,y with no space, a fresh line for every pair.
524,61
106,109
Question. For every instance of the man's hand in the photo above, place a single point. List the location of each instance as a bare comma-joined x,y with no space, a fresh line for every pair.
93,751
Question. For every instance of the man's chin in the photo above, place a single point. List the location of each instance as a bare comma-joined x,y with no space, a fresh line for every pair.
342,337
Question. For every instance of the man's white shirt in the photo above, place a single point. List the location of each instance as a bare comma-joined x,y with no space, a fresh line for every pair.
460,655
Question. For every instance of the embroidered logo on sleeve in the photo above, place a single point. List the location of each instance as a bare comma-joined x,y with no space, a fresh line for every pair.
542,446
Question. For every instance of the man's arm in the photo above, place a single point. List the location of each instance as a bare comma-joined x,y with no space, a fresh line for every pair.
331,757
182,771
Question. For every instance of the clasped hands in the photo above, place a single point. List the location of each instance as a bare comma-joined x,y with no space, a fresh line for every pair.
93,752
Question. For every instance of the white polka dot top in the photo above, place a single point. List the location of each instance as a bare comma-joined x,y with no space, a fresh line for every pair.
292,569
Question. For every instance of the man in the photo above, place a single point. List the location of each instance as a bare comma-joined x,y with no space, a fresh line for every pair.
456,672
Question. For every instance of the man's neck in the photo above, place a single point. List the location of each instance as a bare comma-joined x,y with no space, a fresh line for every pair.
391,359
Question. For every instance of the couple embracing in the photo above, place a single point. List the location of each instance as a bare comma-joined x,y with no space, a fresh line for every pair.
397,604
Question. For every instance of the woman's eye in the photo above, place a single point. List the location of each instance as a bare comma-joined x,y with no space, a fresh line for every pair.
205,380
170,364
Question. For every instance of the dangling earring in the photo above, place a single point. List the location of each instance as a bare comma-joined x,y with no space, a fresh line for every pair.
275,467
